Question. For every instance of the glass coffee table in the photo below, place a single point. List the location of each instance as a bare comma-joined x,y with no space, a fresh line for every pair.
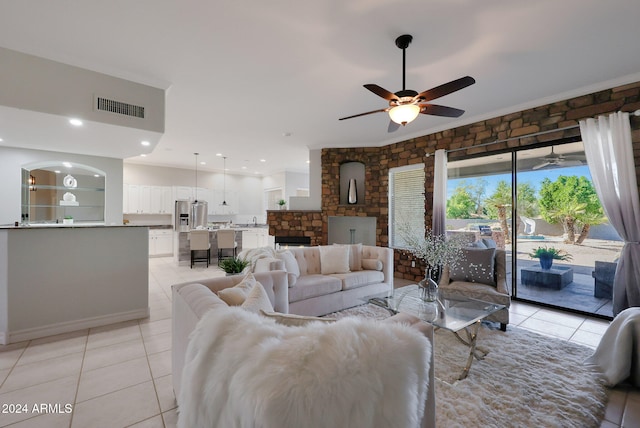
451,312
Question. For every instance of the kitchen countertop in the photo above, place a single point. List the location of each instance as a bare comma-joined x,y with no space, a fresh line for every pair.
66,226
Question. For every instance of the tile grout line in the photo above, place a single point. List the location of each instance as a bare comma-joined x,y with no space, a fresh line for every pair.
75,396
15,364
155,387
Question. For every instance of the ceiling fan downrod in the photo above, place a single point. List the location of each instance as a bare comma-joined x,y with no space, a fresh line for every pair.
403,43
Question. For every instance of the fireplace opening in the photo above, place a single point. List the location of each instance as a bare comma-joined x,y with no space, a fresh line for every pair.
292,241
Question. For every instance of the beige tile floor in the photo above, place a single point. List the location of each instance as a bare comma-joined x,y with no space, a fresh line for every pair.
120,375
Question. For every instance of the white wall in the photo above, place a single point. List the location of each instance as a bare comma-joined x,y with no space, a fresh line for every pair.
314,201
13,159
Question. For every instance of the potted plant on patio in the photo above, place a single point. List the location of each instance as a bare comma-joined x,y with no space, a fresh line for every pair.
234,265
547,255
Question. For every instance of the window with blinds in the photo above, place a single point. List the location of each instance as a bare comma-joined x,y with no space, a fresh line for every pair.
406,202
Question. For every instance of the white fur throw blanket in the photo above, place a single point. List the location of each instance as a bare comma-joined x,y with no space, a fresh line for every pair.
617,357
245,371
253,254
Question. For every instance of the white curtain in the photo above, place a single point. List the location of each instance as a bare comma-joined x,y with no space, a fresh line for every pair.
609,151
439,216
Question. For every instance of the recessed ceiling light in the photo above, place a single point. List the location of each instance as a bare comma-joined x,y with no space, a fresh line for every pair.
96,175
1,140
308,161
75,122
218,154
145,143
263,160
67,164
203,163
56,171
144,155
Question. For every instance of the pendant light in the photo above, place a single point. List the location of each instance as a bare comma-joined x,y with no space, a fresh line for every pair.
224,182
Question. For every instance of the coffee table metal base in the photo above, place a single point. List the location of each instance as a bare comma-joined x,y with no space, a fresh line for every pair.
474,351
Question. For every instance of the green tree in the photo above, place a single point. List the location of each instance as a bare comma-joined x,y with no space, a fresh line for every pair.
571,201
498,206
461,204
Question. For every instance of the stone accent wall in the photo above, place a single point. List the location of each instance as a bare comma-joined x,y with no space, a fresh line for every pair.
298,223
471,139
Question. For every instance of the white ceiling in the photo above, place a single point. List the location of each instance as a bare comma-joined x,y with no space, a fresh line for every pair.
269,79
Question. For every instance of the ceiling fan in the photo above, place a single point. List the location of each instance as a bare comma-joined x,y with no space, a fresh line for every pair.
405,105
554,159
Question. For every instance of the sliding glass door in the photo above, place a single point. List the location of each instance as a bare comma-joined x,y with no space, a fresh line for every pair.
540,205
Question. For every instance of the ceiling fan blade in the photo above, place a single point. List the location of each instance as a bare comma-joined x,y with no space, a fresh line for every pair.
392,126
436,110
447,88
541,165
364,114
381,92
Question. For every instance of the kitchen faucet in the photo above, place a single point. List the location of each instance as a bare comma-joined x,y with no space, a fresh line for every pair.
255,221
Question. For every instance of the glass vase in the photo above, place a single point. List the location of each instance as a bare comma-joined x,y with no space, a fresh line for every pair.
428,288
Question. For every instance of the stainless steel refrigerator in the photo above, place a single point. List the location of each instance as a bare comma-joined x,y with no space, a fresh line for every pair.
199,214
182,216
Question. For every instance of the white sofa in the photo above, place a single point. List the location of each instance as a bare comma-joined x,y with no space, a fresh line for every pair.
318,289
192,301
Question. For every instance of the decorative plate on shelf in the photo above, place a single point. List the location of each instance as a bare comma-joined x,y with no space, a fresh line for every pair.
69,181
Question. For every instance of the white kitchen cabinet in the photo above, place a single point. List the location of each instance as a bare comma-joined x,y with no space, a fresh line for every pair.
183,193
255,238
160,242
167,205
133,198
144,204
145,199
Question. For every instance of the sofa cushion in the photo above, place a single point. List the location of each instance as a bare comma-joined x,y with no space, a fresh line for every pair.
309,286
257,300
359,279
372,264
293,319
334,259
290,265
235,296
355,256
476,265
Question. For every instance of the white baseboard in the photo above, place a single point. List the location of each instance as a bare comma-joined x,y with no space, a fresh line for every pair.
7,337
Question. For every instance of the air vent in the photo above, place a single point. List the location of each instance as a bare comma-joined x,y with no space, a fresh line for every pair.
118,107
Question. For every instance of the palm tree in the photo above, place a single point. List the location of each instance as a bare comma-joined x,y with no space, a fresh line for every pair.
587,220
567,215
502,200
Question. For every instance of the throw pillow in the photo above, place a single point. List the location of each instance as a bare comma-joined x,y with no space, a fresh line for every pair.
372,264
334,259
257,300
355,256
293,319
290,265
235,296
476,265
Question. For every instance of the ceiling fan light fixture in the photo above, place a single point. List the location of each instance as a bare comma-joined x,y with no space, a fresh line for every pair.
404,114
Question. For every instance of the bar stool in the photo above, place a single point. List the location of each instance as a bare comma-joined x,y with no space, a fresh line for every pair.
226,239
199,242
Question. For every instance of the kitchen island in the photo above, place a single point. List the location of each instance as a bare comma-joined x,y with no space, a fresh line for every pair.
61,278
246,237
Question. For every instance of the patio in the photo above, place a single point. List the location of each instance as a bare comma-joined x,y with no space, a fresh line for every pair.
579,294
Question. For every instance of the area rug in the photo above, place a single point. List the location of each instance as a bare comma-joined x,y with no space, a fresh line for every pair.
525,380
